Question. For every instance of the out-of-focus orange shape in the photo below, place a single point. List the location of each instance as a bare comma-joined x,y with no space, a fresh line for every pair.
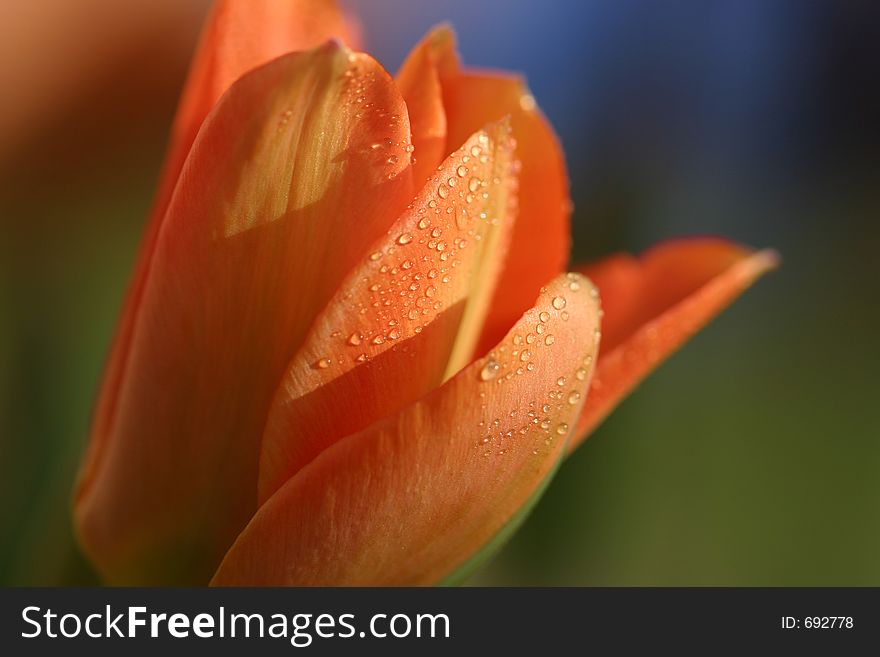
349,354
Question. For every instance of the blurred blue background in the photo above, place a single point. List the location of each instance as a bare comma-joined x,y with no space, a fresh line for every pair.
750,458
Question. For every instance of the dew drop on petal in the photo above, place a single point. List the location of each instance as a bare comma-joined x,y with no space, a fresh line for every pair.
405,238
559,303
490,370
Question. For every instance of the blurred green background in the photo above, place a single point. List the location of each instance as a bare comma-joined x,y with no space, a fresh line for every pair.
750,458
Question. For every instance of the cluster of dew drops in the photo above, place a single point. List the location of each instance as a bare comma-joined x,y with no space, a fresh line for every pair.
499,434
390,154
403,279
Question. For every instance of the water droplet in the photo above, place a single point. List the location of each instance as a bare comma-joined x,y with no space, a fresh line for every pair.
559,303
564,315
436,232
544,316
393,334
474,184
322,363
462,171
530,338
581,374
379,339
375,256
407,264
573,397
355,339
443,190
490,370
560,381
562,429
524,355
527,102
545,424
423,223
405,238
549,340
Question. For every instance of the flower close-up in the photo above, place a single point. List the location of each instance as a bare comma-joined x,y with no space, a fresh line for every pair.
353,350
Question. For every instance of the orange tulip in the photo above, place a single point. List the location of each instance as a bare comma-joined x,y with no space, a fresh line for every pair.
349,353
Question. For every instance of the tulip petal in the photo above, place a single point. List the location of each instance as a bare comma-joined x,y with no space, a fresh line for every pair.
238,36
653,304
290,176
419,80
540,243
408,500
387,337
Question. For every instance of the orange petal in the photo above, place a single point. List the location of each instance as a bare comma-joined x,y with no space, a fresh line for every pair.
653,304
540,243
287,182
419,82
410,499
238,36
391,331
